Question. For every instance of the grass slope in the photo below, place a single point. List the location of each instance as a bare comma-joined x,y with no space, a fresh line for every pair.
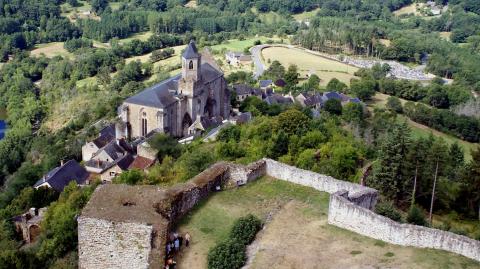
298,233
420,130
51,50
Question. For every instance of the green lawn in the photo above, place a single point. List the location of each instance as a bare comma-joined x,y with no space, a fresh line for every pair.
305,16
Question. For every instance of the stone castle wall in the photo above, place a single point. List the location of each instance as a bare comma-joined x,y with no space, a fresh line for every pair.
347,214
351,208
108,244
133,245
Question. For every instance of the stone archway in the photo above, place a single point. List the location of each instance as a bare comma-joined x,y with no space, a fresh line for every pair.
34,232
186,122
209,109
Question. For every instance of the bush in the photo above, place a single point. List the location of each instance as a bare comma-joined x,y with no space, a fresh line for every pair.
388,210
244,229
229,254
416,216
394,104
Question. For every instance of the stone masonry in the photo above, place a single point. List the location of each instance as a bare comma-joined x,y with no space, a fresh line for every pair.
127,226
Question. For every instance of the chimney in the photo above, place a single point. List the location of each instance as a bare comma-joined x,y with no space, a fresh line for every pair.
61,163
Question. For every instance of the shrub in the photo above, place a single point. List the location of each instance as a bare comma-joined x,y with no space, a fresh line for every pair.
416,216
244,229
394,104
388,210
229,254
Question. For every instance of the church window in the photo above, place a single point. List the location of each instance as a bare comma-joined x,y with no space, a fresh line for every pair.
190,65
144,124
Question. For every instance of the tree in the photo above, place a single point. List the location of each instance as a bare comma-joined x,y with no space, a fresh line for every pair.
293,122
333,106
389,174
313,83
364,88
471,184
291,76
438,97
394,104
335,85
415,216
229,133
388,210
165,145
275,71
98,6
353,113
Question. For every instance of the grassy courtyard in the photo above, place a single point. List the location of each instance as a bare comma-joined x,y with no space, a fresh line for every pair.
325,68
297,222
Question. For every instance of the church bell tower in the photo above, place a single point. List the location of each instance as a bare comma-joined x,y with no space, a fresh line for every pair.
191,73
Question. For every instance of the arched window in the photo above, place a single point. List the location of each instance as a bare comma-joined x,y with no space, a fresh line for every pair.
144,124
190,65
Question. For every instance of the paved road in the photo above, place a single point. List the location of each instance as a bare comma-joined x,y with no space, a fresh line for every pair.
257,60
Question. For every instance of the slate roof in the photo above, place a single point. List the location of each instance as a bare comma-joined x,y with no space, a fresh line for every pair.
278,99
107,134
59,177
265,83
191,51
280,83
242,89
163,94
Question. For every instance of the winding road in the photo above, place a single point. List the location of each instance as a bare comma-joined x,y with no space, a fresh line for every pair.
257,60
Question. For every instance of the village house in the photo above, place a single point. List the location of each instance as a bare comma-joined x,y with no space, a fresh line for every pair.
265,84
28,224
61,176
106,135
243,91
238,58
278,99
172,106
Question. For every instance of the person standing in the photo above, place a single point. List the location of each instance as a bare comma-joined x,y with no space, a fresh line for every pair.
187,239
177,245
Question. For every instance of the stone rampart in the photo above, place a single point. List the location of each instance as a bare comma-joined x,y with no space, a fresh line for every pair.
131,232
346,214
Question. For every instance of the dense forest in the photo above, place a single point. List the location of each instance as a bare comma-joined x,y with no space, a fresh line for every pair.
341,143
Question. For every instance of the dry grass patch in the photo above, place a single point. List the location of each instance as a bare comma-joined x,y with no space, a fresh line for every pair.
445,35
307,63
191,4
410,9
51,50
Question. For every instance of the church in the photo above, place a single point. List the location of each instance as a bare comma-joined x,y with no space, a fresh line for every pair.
179,105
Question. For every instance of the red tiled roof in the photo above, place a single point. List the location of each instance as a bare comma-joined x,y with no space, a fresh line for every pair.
141,163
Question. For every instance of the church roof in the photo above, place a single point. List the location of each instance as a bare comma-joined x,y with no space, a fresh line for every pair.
163,94
191,51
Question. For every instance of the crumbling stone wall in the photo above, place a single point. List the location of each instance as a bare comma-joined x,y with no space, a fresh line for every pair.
108,244
346,213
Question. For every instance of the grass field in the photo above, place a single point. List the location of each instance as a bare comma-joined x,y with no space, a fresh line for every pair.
51,50
410,9
445,35
241,45
419,130
305,16
325,68
140,36
297,223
